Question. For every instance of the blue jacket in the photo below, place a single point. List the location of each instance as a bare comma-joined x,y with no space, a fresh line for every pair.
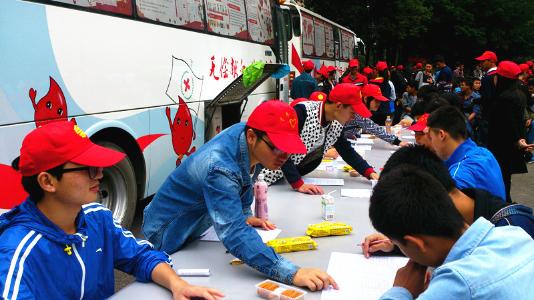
38,260
486,262
213,186
472,166
303,86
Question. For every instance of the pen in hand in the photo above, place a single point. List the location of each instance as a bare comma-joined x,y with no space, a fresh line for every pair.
375,242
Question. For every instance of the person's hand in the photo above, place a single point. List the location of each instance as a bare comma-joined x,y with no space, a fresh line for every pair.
257,222
376,242
374,176
331,153
528,122
314,279
187,292
522,144
405,122
405,144
310,189
354,173
412,278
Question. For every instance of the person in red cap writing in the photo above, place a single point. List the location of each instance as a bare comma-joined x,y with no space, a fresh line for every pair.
488,62
213,187
320,125
304,84
354,75
506,139
59,243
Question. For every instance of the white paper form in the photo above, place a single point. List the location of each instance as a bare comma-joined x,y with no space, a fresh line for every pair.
324,181
356,193
266,235
361,141
361,278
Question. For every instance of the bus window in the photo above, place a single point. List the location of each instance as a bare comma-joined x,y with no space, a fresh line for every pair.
337,43
347,45
319,37
329,37
307,35
120,7
186,13
295,21
227,18
260,21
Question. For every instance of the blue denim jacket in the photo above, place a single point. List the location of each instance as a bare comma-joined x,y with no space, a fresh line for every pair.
472,166
213,186
486,262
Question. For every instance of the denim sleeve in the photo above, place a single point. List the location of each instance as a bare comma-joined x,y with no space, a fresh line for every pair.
446,283
371,127
397,293
134,256
221,193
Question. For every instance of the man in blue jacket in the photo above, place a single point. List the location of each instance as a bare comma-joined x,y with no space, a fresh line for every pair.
304,84
469,165
214,187
59,244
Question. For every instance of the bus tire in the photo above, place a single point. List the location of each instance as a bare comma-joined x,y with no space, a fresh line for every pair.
118,188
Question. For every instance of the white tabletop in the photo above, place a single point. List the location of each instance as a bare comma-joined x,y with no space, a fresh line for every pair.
291,212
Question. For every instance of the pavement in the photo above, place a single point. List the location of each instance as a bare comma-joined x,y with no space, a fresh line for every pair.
522,192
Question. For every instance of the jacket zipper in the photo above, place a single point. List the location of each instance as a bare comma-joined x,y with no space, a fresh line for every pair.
82,265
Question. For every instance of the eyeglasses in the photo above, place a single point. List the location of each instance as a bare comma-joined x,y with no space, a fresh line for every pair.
273,148
92,171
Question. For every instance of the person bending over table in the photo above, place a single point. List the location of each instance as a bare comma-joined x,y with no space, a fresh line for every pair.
214,187
477,261
321,126
59,243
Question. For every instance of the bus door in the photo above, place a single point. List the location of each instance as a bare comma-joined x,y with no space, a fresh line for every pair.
283,35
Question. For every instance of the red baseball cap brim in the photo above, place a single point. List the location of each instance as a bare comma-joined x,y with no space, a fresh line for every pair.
98,156
418,127
487,55
380,98
362,110
287,142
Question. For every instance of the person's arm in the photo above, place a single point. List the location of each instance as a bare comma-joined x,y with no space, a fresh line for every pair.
27,282
371,127
354,159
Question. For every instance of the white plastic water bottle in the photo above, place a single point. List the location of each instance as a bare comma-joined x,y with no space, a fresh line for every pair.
260,198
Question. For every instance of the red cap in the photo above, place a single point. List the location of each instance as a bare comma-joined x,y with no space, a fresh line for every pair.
529,63
348,93
367,71
420,125
330,69
381,66
508,69
323,71
373,90
318,96
488,55
524,67
279,121
57,143
354,63
419,65
400,67
308,65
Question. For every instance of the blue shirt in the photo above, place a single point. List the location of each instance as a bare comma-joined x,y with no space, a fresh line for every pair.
213,186
475,167
303,86
486,262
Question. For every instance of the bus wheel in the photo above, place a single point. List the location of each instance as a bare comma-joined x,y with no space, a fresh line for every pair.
118,188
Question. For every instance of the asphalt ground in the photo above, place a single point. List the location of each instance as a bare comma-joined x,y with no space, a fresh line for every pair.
522,192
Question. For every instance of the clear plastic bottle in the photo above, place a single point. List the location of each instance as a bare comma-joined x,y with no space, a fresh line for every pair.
260,198
389,122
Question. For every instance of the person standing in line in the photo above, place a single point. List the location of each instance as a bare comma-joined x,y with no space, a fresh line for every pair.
304,84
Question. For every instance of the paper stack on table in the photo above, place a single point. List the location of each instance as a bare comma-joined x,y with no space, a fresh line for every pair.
356,193
361,278
323,181
266,235
362,141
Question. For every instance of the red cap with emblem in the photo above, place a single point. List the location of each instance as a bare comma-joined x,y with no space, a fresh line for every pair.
348,93
373,90
57,143
279,121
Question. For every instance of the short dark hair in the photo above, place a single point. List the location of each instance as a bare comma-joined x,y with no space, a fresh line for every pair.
30,183
413,84
421,158
468,81
418,108
434,104
427,92
439,58
450,119
531,82
408,201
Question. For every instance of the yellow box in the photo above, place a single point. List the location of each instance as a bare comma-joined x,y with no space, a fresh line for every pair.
299,243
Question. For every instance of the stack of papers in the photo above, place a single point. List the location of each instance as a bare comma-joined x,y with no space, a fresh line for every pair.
361,278
324,181
361,141
266,235
356,193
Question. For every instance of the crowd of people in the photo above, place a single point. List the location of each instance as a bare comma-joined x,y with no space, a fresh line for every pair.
444,203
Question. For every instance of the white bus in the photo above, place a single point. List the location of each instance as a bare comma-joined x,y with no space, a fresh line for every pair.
135,75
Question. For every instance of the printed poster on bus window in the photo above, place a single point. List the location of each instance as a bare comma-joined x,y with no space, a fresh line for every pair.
329,40
227,17
187,13
347,44
307,34
115,6
319,37
260,21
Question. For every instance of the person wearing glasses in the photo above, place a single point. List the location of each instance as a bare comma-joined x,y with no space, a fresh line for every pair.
59,243
321,124
213,187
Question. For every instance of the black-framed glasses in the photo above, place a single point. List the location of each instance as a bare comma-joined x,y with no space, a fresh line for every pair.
271,146
91,171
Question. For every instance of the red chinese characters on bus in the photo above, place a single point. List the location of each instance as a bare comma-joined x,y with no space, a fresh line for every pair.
226,67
